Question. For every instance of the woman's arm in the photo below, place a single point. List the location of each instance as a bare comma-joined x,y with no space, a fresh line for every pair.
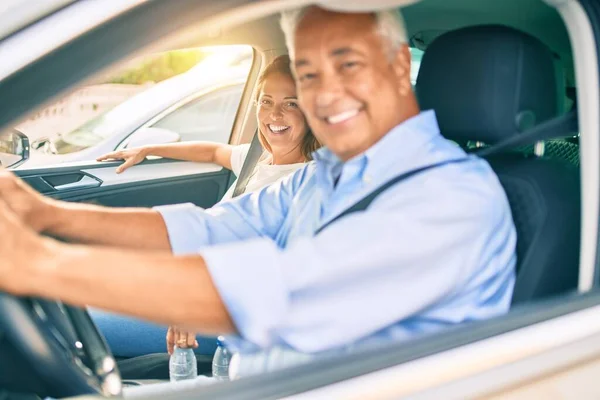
210,152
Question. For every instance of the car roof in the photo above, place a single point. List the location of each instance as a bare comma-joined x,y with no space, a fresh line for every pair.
16,14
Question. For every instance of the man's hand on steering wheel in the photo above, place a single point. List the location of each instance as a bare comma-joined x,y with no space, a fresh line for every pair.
33,209
59,341
21,249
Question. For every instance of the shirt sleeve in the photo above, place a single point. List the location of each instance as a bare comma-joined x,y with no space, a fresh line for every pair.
367,271
238,155
259,214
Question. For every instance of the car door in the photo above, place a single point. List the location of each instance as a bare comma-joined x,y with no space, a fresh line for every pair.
150,184
206,116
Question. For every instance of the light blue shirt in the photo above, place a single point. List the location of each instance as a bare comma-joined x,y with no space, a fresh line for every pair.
431,252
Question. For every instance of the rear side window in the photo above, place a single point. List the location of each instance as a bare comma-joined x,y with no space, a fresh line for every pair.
209,117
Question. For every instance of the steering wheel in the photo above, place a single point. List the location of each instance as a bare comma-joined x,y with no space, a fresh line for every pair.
61,344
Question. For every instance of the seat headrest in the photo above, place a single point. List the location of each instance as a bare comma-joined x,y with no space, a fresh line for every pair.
487,83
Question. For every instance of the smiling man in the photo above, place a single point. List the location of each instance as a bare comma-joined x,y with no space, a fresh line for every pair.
344,81
282,270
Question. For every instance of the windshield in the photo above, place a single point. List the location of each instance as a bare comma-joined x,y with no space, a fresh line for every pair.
221,64
81,138
105,125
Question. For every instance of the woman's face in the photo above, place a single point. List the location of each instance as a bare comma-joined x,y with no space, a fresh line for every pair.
279,117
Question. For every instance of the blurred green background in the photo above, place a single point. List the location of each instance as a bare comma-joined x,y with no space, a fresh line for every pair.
159,67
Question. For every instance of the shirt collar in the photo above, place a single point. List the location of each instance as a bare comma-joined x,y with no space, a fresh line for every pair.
405,139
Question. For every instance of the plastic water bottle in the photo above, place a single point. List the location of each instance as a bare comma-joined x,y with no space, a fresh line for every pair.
220,366
182,365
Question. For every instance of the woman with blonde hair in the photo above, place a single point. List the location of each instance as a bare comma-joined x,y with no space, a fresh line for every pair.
282,129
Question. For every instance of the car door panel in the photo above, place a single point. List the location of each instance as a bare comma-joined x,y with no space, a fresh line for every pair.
151,183
151,171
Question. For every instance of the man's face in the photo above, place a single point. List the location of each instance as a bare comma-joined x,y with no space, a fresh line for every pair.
350,91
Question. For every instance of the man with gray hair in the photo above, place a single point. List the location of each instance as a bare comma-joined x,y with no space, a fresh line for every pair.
288,270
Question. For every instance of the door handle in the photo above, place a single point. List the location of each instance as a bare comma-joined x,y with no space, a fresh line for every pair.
84,183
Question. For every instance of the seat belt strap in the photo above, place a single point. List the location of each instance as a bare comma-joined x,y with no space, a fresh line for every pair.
553,128
364,203
252,158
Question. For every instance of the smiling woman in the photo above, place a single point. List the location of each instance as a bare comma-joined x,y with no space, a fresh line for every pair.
283,133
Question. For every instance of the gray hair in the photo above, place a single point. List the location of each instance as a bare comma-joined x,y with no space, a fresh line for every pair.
389,25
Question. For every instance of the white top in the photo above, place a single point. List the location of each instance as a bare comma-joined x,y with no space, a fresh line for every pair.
263,175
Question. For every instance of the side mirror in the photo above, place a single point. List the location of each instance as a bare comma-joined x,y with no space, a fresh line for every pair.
14,149
152,136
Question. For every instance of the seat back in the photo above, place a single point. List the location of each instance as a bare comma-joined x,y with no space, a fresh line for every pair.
486,84
544,196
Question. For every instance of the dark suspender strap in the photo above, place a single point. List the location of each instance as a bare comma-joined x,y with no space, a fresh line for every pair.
364,203
252,158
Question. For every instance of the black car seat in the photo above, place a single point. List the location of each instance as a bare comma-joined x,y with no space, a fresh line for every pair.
563,148
489,83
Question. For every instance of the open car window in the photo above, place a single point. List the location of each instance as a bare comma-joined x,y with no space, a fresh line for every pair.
488,345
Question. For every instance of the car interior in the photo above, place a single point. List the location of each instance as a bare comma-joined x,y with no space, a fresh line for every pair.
491,70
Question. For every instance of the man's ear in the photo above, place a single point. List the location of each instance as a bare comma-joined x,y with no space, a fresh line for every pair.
401,67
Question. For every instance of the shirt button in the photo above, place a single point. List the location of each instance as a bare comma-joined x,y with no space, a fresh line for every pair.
367,179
